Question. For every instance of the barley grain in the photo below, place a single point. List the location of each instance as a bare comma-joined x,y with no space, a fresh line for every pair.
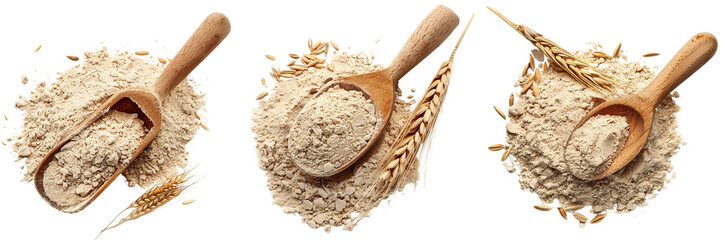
506,154
563,213
580,217
270,57
574,207
542,207
598,218
141,53
496,147
73,58
651,54
600,54
500,112
617,51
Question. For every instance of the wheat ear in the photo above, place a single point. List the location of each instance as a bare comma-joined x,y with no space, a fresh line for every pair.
154,198
582,71
397,166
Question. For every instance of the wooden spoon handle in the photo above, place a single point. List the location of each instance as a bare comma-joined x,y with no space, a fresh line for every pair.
434,29
209,34
689,58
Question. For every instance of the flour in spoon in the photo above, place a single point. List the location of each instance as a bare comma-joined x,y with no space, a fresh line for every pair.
594,145
331,129
90,158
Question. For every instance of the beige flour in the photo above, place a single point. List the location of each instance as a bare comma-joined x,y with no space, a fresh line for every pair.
86,161
53,107
595,144
539,127
321,202
331,130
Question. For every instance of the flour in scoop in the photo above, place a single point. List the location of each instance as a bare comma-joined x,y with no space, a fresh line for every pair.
331,129
90,158
594,145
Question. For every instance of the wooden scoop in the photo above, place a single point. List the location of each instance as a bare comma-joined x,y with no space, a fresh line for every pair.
381,86
146,102
639,108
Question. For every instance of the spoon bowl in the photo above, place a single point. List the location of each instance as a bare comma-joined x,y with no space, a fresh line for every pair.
638,109
380,86
146,102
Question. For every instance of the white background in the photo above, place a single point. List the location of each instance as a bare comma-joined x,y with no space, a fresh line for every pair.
468,194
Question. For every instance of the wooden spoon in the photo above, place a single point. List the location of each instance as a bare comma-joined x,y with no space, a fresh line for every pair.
381,86
639,108
146,102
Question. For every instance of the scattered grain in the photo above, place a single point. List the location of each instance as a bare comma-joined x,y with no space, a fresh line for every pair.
204,126
261,95
186,202
525,69
563,213
531,62
162,60
542,207
575,207
141,53
506,154
38,48
617,51
335,46
74,58
270,57
580,217
600,54
598,218
496,147
510,100
500,112
651,54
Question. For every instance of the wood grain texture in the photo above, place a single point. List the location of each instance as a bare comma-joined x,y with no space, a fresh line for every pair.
203,41
639,108
381,86
147,103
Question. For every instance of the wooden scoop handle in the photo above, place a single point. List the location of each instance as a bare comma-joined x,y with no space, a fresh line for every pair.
689,58
434,29
209,34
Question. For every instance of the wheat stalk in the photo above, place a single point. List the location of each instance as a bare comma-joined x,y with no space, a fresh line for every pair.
582,71
397,166
153,198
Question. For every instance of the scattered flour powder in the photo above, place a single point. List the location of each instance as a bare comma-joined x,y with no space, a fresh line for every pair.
539,127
